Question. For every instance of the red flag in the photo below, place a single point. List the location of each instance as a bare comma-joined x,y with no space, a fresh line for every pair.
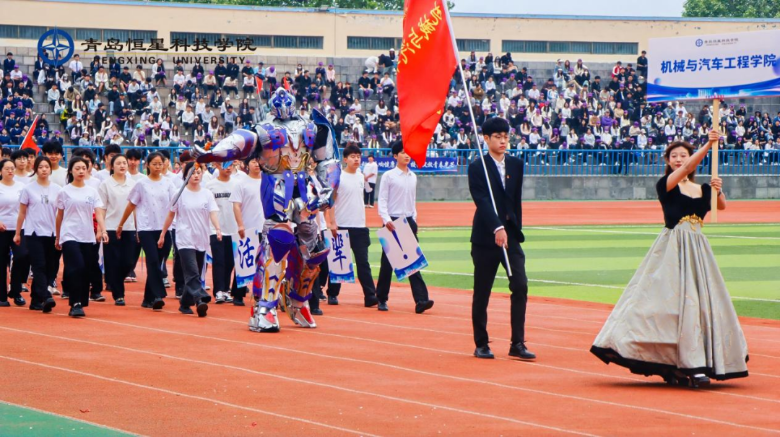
258,85
29,139
425,65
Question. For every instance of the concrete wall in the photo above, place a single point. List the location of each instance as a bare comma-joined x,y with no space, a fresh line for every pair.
456,188
336,25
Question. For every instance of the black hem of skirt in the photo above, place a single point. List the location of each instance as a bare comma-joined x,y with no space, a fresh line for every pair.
648,369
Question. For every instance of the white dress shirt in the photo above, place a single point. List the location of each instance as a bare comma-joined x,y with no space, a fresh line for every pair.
501,166
398,194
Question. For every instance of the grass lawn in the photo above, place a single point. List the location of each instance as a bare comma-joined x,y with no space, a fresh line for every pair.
595,263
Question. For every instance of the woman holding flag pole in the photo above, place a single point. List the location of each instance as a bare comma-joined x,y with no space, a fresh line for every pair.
430,44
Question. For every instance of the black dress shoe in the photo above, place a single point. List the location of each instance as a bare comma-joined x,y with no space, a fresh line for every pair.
238,301
158,304
19,301
333,300
36,306
519,351
146,304
186,310
483,352
423,306
316,312
4,304
202,308
48,305
371,301
382,306
120,302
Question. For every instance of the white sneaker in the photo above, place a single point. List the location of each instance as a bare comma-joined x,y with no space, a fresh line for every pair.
228,297
166,283
220,297
54,291
208,287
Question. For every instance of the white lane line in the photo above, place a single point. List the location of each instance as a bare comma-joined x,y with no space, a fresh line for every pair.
606,231
765,356
306,382
578,284
62,416
185,395
444,376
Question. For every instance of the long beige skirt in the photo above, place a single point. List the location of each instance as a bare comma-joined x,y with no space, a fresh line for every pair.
676,313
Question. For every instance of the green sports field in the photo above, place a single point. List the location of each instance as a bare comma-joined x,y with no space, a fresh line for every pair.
595,263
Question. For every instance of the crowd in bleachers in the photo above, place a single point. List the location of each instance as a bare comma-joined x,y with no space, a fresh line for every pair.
126,105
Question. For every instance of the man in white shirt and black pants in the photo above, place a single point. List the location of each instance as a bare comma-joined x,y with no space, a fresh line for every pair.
348,213
397,198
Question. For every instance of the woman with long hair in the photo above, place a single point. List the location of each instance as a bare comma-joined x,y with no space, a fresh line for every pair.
193,211
119,252
37,213
76,236
10,190
150,199
675,318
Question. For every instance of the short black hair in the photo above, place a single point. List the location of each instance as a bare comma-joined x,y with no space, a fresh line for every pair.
397,147
112,148
495,125
134,154
52,146
85,153
30,152
18,153
351,149
165,154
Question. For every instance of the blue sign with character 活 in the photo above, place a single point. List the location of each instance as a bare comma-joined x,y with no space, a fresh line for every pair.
432,165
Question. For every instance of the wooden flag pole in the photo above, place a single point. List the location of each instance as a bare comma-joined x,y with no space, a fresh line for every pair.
714,160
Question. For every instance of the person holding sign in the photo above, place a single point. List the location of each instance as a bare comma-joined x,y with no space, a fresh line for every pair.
193,211
222,251
397,198
491,232
675,318
348,213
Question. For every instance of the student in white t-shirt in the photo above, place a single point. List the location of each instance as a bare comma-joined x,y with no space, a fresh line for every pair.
247,201
222,251
150,199
349,213
52,149
10,190
93,263
370,171
109,152
193,211
119,253
37,212
133,165
76,236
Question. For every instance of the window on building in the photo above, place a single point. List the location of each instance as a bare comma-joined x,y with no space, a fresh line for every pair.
476,45
598,48
370,43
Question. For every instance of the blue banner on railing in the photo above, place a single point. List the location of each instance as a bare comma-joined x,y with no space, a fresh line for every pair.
432,165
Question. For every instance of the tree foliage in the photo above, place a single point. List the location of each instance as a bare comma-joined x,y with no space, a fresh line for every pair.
732,8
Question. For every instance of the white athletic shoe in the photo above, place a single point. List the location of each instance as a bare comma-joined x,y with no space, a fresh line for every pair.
166,283
208,287
54,291
220,297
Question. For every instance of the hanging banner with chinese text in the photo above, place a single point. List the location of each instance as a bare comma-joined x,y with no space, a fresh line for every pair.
402,249
340,257
432,165
245,257
726,65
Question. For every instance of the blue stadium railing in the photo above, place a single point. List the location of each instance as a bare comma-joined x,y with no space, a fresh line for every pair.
576,162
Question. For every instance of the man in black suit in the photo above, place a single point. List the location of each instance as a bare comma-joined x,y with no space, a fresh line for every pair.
490,232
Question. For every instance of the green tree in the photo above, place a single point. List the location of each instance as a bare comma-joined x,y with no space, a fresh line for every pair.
732,8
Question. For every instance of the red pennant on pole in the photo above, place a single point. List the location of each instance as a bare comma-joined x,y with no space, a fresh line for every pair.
426,63
259,85
29,139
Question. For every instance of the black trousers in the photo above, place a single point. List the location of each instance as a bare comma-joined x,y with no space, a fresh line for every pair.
178,275
76,257
154,288
222,273
486,260
360,240
43,260
192,264
368,198
95,274
419,289
136,254
119,260
18,272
